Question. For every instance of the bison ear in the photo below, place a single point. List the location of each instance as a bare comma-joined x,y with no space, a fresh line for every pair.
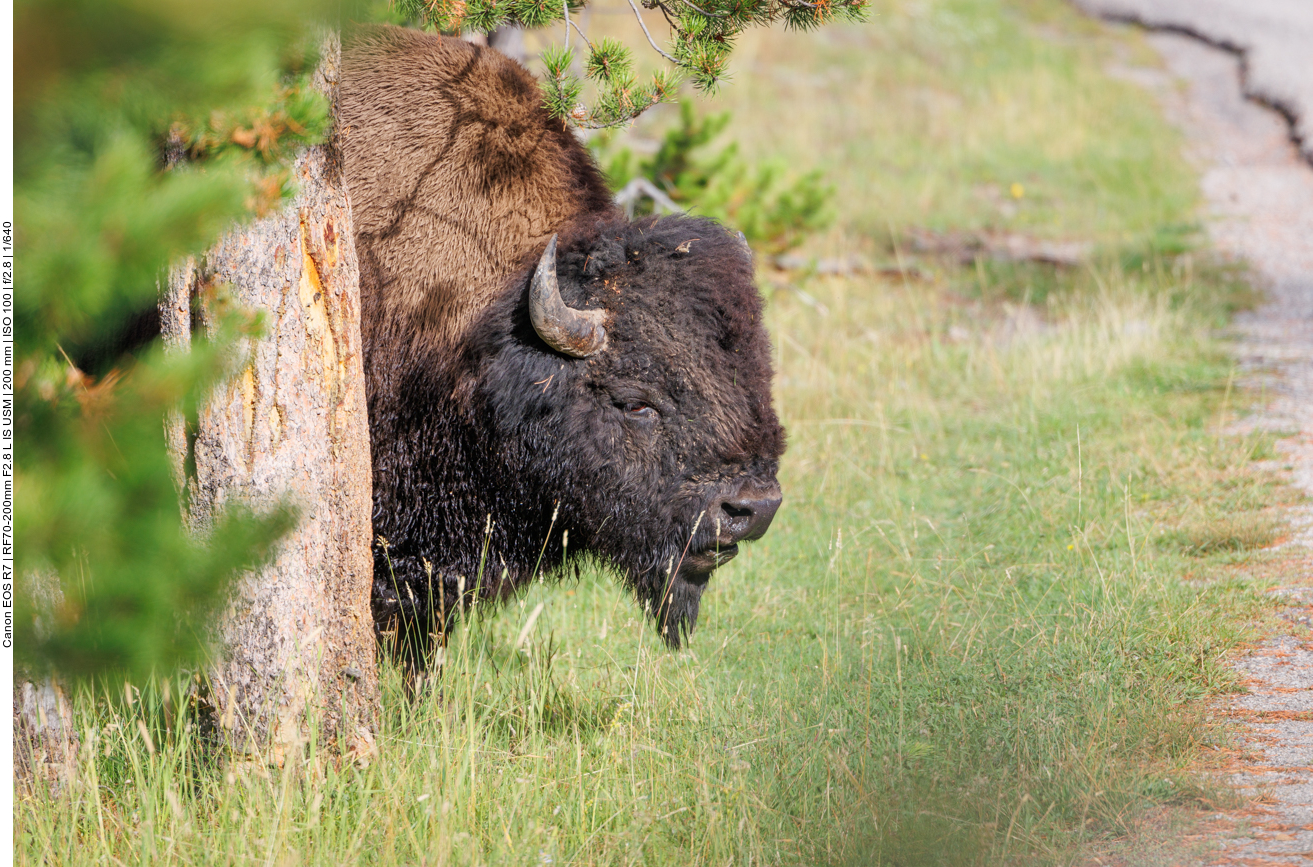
578,333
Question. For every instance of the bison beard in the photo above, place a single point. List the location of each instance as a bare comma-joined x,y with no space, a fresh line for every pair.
643,430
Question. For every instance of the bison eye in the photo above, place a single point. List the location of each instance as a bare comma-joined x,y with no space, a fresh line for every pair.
638,409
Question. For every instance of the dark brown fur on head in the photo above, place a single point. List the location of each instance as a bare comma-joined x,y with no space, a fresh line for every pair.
488,445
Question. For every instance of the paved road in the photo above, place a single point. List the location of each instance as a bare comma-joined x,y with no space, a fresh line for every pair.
1275,38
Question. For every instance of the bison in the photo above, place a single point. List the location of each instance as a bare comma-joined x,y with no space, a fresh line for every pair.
547,381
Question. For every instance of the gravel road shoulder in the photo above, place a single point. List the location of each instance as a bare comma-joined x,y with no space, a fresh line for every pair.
1259,194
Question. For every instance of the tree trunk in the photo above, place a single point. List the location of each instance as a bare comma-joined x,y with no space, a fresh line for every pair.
45,742
298,647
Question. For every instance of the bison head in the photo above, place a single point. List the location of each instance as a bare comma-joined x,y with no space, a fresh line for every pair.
626,386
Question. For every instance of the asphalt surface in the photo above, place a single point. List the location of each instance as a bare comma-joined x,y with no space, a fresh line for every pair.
1273,37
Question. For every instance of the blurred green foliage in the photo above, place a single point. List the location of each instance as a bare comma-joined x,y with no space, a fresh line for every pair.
772,206
143,129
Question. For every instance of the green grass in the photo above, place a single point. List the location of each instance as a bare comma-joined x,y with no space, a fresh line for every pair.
982,626
930,113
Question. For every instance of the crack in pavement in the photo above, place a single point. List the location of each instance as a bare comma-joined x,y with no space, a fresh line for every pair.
1271,38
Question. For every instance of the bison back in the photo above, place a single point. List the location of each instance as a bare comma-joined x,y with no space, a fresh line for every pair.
457,175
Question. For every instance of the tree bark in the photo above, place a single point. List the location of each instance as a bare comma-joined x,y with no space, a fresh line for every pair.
297,641
46,743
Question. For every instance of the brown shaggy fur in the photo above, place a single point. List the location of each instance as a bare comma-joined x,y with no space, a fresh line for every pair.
456,174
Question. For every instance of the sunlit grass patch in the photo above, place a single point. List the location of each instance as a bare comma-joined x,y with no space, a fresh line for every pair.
995,479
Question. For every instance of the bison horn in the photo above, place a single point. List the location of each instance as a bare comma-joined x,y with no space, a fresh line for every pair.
578,333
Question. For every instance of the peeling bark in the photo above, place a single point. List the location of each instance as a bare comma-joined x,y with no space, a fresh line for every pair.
298,647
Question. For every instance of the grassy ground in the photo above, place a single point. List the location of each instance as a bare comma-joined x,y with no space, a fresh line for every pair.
1008,566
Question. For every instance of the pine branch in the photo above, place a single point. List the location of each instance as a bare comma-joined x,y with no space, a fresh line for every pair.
701,11
650,40
702,34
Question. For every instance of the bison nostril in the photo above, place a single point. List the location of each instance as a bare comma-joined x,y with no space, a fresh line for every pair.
748,515
734,510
